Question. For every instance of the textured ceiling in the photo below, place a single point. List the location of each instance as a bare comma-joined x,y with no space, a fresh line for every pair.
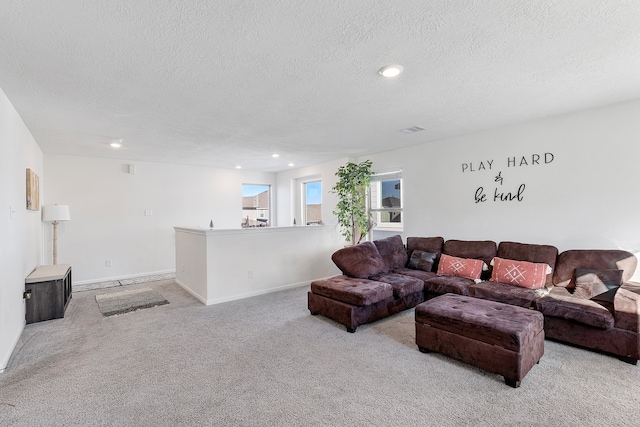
226,83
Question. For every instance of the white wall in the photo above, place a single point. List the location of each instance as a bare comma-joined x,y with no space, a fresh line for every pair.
587,197
20,229
108,206
288,192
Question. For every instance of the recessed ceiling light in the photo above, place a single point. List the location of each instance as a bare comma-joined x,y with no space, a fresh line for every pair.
291,165
391,70
274,155
117,143
238,167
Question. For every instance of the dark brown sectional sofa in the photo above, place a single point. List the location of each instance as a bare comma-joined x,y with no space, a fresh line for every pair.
384,277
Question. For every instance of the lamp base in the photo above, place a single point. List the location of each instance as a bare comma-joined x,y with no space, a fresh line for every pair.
55,242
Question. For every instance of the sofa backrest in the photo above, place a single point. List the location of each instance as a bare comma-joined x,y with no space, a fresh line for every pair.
477,249
427,244
361,261
530,252
392,251
593,259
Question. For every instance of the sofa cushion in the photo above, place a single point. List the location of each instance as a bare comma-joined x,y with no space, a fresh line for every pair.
519,273
402,285
392,251
462,267
418,274
595,283
361,261
595,259
352,291
561,303
422,260
530,252
507,294
428,244
448,284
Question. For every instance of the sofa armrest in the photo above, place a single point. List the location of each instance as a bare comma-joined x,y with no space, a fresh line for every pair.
626,305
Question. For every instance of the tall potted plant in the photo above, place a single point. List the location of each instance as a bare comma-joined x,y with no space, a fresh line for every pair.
353,216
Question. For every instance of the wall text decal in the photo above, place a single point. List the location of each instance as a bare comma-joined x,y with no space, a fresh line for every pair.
499,193
510,162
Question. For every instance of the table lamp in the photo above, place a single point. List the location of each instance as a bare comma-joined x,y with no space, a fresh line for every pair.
54,214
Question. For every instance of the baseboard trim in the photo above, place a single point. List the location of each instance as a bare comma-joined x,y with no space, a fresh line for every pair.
256,293
123,281
126,276
191,292
6,358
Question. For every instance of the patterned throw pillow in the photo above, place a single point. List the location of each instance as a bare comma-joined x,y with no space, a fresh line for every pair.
525,274
463,267
600,285
422,260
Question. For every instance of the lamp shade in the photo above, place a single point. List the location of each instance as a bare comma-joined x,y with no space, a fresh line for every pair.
55,213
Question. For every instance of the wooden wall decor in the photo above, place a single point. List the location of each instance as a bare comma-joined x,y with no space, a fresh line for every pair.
33,191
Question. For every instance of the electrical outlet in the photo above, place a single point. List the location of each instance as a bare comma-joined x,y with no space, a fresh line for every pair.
107,263
250,274
148,212
183,268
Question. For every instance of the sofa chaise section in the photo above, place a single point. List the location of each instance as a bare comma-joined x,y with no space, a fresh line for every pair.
368,290
350,301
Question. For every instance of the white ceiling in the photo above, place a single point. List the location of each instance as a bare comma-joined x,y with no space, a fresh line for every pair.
226,83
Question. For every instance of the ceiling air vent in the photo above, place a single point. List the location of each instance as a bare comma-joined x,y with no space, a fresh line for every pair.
412,129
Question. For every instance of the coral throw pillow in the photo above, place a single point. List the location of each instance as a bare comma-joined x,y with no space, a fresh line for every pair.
463,267
520,273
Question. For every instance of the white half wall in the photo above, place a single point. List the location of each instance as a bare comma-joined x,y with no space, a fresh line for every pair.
129,218
217,266
584,196
20,229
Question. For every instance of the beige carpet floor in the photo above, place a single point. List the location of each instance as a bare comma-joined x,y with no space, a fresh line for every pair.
265,361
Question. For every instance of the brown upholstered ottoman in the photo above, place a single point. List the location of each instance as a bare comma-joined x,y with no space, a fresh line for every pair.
499,338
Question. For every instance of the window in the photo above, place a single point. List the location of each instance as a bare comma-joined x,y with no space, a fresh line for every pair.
255,205
385,199
312,202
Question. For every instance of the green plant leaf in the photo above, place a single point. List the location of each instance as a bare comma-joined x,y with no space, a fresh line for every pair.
351,210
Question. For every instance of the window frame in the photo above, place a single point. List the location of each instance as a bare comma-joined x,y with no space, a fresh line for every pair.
376,180
303,199
259,212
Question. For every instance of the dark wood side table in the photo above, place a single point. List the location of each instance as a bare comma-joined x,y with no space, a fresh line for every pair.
47,292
